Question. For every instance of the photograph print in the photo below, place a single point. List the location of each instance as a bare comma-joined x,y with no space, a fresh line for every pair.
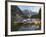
25,18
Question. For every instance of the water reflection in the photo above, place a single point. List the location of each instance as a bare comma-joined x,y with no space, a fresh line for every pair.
27,28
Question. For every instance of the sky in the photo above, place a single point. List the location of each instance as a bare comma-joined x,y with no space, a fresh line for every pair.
32,8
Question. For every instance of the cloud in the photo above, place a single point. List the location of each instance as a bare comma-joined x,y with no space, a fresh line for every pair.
32,8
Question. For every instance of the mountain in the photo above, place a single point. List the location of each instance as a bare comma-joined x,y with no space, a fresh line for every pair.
27,12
